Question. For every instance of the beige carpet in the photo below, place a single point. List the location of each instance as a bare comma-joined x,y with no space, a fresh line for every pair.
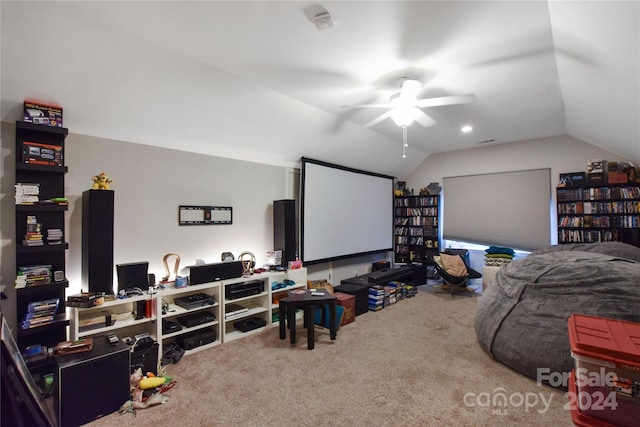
415,363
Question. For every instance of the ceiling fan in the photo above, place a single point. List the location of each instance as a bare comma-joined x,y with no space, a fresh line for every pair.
404,107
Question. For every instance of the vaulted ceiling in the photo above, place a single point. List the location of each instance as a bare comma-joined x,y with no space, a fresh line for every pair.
258,81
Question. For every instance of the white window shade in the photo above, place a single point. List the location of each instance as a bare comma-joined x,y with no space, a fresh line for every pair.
510,209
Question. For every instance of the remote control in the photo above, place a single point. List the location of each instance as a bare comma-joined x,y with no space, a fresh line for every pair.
113,339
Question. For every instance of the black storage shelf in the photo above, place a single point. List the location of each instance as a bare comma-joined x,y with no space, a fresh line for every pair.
42,207
60,320
21,249
32,290
41,168
50,179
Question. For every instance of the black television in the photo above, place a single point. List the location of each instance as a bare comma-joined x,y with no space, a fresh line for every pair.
133,275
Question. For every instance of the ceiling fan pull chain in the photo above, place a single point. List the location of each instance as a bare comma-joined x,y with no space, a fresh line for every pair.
404,142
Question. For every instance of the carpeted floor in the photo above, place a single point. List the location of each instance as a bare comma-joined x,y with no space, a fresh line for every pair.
415,363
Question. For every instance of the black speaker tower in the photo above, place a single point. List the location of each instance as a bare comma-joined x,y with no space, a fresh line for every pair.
284,229
97,241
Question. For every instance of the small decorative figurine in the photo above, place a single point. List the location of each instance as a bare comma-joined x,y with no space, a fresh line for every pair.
102,182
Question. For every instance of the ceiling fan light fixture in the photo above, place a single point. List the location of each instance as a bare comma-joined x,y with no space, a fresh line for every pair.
404,115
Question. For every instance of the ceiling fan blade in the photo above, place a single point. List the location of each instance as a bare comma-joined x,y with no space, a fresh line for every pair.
379,119
367,106
425,120
446,100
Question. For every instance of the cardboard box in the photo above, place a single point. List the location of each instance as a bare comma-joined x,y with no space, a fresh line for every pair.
607,357
42,114
36,153
617,178
596,178
573,179
349,303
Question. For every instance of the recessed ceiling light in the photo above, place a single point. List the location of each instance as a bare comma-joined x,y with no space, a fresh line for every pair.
466,129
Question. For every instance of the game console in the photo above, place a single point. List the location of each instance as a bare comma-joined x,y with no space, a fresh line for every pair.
196,319
194,339
194,301
249,324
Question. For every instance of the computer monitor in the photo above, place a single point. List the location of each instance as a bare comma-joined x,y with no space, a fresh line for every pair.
133,275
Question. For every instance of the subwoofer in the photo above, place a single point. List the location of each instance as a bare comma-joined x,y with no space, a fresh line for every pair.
92,384
97,241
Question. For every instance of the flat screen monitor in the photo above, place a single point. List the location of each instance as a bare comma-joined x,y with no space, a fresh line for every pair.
133,275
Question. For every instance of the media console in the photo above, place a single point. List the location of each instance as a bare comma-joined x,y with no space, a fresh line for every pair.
205,312
359,285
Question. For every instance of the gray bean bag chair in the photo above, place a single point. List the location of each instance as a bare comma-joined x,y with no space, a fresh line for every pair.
521,319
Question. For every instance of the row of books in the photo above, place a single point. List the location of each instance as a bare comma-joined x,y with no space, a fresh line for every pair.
33,275
627,221
40,313
417,221
417,201
416,211
599,193
585,236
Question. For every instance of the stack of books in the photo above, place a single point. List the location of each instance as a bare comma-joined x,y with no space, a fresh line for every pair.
33,236
376,297
33,275
54,236
27,194
40,313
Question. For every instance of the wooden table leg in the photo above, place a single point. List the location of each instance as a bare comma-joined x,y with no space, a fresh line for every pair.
332,319
283,319
308,317
291,319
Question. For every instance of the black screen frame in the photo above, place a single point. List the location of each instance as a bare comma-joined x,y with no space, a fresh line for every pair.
348,216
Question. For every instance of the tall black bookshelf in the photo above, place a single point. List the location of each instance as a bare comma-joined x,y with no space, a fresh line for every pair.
40,163
599,213
416,228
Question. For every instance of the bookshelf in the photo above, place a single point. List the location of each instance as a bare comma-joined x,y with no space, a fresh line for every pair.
416,227
40,235
599,213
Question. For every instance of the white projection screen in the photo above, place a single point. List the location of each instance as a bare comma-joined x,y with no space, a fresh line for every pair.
344,212
510,209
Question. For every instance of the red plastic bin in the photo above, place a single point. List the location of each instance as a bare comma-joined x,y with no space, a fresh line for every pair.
607,373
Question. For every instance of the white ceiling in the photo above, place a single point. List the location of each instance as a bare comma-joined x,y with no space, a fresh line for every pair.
257,80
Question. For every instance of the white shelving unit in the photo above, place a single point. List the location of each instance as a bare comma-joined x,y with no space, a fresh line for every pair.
173,312
91,321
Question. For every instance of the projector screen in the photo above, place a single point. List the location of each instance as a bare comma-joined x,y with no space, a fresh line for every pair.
344,212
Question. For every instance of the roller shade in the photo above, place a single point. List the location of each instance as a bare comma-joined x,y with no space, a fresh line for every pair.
509,209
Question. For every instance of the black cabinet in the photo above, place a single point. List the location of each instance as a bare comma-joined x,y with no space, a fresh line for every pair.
599,213
40,235
416,228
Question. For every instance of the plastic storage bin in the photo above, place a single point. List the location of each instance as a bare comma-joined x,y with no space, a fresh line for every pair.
607,373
